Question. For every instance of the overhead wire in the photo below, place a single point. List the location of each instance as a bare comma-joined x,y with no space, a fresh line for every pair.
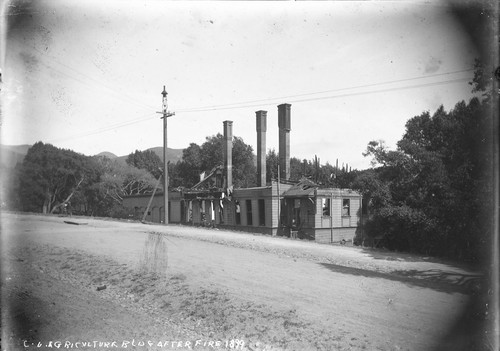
456,80
105,129
239,105
329,97
245,104
92,88
85,78
206,108
142,119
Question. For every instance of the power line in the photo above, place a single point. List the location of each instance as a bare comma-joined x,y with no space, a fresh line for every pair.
242,104
207,108
142,119
115,95
119,95
456,80
331,97
105,129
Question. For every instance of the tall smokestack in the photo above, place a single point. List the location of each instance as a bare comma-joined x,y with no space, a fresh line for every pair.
284,139
228,152
261,122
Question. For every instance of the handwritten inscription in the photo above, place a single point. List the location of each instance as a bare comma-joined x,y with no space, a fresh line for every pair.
234,344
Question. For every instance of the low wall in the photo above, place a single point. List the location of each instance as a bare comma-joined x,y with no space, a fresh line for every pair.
250,229
325,236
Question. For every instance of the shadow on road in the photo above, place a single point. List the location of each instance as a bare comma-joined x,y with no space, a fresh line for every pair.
433,279
387,255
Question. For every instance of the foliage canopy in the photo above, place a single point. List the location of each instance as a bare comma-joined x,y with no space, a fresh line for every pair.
432,194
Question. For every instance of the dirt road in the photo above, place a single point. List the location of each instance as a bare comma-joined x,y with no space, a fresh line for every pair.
117,285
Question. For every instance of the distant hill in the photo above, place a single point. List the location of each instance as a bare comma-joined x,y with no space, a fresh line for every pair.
107,154
10,155
173,155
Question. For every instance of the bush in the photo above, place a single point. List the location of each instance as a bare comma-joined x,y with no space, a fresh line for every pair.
118,211
405,229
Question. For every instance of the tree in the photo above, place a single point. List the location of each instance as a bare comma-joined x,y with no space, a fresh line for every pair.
126,179
244,169
435,184
147,160
325,175
190,167
115,181
303,168
272,162
198,159
375,192
50,177
212,152
174,176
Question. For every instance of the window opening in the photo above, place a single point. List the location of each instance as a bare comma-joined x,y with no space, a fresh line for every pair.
346,207
249,211
238,212
326,207
262,212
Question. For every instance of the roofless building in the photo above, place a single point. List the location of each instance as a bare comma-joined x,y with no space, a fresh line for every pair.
302,209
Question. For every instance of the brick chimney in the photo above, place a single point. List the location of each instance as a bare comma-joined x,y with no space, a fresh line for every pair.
261,122
228,153
284,140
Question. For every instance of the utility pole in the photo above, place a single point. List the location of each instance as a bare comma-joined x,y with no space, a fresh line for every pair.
165,114
279,201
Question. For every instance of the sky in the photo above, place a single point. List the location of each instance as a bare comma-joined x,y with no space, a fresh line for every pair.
88,76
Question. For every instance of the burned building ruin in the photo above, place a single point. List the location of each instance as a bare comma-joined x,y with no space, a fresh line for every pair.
280,207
